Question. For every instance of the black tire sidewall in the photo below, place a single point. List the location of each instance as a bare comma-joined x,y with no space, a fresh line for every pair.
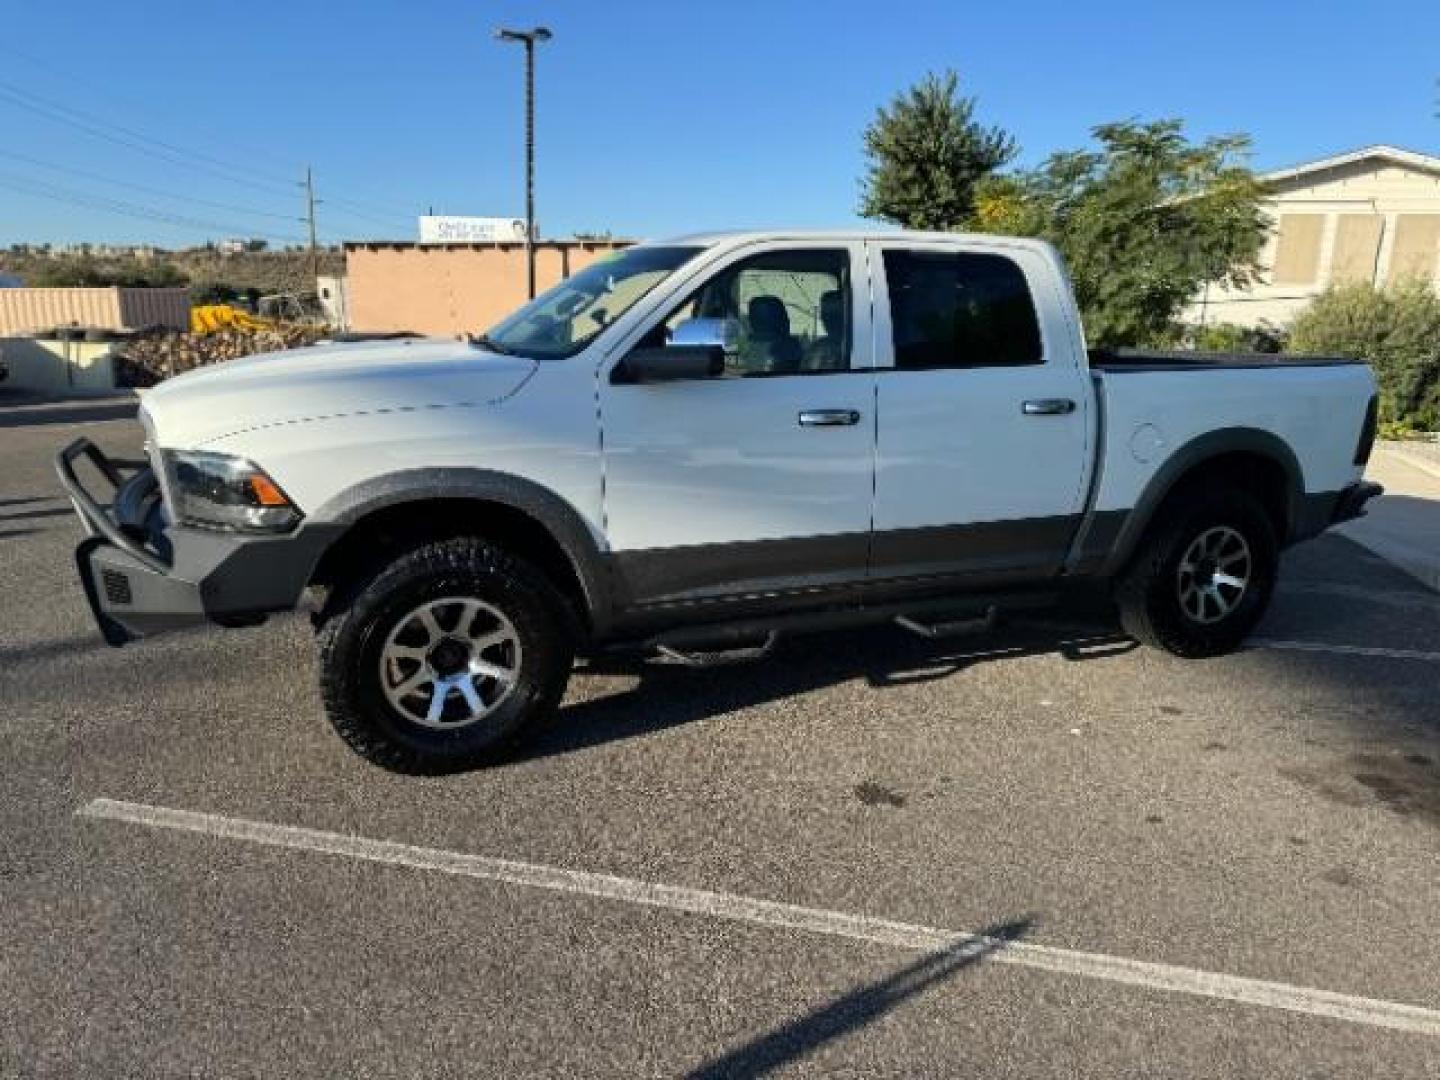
1176,630
454,569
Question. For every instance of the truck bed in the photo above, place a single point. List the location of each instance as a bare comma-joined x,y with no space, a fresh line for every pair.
1156,416
1121,361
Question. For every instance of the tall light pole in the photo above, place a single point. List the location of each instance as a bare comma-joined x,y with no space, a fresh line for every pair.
529,38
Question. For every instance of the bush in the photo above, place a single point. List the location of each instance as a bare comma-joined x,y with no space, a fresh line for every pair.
1396,329
89,271
213,292
1401,431
1230,338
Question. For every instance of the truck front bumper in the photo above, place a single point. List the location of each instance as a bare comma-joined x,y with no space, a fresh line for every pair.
143,576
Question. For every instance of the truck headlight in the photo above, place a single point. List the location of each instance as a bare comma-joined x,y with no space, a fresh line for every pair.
227,492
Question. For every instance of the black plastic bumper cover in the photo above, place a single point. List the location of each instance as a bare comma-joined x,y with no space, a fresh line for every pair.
1351,503
1317,512
203,576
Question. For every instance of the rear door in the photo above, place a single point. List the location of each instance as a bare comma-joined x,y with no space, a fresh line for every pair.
758,481
982,412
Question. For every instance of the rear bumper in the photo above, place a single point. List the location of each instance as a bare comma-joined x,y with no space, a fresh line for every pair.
142,576
1319,511
1351,503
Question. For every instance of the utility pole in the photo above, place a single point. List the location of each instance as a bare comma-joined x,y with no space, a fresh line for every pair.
310,220
528,38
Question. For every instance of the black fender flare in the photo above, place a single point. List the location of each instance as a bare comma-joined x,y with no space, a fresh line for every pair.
542,505
1190,455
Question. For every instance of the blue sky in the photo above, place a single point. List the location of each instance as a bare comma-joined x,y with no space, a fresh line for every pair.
654,118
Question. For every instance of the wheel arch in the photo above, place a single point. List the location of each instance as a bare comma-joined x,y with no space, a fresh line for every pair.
1255,460
386,513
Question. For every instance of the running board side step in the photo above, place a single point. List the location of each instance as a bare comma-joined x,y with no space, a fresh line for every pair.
954,628
756,637
714,658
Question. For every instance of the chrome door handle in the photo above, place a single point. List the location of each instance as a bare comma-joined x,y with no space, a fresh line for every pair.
829,417
1047,407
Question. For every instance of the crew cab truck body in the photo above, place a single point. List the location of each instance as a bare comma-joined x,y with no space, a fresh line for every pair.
698,443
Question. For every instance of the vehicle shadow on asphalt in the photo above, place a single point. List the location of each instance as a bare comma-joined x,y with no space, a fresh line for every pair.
669,695
798,1038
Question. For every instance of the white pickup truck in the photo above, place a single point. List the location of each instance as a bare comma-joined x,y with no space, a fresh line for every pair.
696,445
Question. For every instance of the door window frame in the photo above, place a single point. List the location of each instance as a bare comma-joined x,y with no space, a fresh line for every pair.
660,307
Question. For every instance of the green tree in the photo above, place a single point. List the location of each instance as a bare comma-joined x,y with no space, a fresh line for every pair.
1144,220
926,154
1396,329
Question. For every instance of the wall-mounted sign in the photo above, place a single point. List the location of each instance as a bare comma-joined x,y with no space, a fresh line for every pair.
471,230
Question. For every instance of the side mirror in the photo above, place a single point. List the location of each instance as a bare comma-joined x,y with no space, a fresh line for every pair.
670,363
724,333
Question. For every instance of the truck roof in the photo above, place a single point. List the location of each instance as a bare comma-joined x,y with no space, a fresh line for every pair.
737,236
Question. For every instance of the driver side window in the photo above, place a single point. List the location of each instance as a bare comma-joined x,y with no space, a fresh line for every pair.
782,313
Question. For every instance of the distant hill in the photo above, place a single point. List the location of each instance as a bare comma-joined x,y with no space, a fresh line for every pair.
265,271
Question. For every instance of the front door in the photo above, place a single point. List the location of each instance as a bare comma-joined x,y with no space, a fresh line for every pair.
757,481
982,451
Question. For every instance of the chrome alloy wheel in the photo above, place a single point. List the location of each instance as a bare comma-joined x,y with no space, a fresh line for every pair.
450,662
1214,574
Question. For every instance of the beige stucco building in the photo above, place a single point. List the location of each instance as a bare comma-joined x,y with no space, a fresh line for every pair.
1371,215
453,288
24,311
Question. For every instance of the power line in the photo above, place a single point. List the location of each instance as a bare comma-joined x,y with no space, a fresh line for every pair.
98,127
248,211
124,208
7,93
334,201
60,115
106,92
145,188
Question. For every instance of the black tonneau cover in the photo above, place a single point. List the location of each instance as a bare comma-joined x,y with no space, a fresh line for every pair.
1122,361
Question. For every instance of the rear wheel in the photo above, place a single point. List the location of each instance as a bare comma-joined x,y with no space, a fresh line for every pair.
1203,577
439,661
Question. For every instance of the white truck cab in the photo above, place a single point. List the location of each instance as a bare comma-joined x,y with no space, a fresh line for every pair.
700,443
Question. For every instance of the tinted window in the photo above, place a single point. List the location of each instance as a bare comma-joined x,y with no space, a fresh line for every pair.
788,312
959,310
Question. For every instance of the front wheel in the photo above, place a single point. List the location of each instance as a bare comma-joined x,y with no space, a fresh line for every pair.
1203,577
439,661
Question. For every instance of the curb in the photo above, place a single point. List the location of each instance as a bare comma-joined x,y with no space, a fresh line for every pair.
1415,461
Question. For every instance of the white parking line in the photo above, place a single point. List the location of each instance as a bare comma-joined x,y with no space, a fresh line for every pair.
769,913
1344,650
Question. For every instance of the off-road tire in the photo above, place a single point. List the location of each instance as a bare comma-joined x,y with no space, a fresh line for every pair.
1147,593
360,614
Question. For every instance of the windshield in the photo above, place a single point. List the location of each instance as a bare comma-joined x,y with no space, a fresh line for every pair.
568,317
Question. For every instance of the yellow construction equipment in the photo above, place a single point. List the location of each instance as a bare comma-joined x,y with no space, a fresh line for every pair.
212,318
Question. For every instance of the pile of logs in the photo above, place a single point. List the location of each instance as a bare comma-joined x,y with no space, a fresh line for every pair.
149,357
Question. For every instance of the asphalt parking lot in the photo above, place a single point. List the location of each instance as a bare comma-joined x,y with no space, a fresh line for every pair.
1223,868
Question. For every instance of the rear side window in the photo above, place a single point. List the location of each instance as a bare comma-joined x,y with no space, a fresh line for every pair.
960,310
